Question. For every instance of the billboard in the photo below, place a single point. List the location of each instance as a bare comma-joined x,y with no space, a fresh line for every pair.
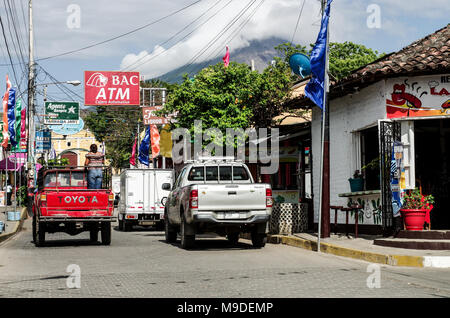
61,113
105,88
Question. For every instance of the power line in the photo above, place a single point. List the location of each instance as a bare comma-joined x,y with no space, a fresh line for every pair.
224,30
121,35
298,19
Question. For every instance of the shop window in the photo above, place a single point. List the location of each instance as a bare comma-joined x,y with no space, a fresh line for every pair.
370,157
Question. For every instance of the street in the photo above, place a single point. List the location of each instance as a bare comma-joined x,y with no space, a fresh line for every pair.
141,264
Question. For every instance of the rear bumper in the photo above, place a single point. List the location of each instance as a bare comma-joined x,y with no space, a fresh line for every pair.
69,219
212,217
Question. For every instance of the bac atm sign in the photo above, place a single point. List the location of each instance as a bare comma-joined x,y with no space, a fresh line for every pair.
111,88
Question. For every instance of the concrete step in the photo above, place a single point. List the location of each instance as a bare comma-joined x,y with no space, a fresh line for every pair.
425,235
418,244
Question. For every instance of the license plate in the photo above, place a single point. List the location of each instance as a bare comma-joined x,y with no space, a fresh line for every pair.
232,215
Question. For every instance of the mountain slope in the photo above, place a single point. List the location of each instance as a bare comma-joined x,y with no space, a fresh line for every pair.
261,52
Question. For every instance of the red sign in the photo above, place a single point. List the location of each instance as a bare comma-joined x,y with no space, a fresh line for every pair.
151,119
111,88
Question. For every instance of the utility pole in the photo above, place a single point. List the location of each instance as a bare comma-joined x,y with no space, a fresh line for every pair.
31,133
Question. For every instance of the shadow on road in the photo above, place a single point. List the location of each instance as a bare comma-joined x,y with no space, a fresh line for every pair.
216,244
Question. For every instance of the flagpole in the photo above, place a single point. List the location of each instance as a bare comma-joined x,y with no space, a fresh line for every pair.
324,201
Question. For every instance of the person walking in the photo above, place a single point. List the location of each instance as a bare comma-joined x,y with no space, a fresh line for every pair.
94,162
8,193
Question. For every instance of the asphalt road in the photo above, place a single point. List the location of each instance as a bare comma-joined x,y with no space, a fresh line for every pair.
141,264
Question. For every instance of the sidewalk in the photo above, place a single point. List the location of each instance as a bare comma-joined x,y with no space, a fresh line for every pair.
11,227
362,248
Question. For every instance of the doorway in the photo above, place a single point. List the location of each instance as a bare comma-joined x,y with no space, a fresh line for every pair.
432,148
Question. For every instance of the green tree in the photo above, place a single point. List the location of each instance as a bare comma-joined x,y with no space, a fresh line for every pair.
232,97
344,57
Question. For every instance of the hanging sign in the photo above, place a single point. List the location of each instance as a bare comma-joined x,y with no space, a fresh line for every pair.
68,129
419,96
43,141
62,113
104,88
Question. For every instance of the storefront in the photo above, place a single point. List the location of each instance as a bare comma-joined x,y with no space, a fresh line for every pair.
404,98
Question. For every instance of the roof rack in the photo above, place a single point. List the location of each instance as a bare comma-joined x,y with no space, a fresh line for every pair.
215,159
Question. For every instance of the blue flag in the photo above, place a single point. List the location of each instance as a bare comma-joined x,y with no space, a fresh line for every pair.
144,148
315,88
12,116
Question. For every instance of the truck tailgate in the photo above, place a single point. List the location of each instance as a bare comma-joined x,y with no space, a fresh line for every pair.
65,202
231,197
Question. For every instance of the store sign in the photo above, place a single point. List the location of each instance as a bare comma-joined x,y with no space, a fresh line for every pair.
43,141
111,88
62,113
420,96
68,129
150,118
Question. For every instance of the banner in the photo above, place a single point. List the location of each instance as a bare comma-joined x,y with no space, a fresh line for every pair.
111,88
5,114
12,116
155,140
396,170
43,141
144,148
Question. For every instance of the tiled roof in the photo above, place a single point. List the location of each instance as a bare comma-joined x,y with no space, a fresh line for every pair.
429,55
425,56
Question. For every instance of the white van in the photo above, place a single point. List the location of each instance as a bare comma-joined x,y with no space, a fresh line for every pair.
142,198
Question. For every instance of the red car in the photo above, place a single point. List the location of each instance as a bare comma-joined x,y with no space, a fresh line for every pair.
63,203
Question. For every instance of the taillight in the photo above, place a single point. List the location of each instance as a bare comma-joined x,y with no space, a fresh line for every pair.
43,197
269,200
111,197
193,199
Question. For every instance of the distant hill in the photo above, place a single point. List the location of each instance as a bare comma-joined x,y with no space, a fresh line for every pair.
261,52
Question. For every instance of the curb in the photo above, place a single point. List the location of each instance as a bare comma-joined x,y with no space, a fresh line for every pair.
17,227
386,259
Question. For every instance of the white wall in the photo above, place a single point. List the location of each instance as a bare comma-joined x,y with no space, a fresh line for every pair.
347,114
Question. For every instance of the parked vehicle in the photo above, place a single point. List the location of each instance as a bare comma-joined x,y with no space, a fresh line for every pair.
63,203
217,196
142,197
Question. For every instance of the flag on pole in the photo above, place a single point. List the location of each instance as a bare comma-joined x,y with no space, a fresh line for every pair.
166,142
18,123
144,148
5,114
315,89
12,117
154,134
133,153
226,58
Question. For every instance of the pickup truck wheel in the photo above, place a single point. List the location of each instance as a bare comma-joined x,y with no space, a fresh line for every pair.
40,233
170,232
233,238
259,240
34,229
106,233
187,241
93,235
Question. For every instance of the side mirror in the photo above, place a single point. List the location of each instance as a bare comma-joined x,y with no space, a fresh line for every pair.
166,186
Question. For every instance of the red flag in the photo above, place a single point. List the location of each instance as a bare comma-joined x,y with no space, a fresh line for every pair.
133,153
154,137
226,58
5,114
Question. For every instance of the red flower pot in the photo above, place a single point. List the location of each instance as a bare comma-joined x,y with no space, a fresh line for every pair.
413,218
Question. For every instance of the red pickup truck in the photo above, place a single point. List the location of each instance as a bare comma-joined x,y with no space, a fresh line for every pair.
63,203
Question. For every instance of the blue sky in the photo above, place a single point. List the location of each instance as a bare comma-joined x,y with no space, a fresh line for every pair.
401,22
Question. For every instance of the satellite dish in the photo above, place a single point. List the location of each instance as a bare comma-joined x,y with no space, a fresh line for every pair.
300,64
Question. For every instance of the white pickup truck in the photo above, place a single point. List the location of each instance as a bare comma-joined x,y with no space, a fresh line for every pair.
217,196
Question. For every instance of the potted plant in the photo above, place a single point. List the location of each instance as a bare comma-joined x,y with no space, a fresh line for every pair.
357,182
414,209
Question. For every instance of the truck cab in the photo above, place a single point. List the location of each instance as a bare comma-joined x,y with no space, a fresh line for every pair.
63,203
